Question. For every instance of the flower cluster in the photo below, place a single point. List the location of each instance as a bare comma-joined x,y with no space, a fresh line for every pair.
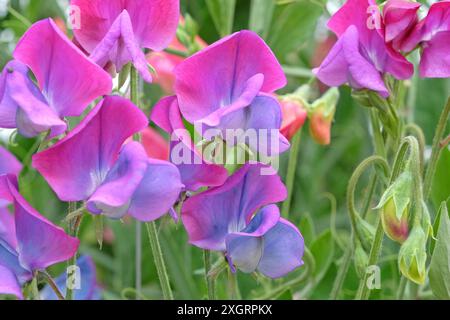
97,163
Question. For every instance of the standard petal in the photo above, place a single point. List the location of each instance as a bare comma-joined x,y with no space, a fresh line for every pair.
8,163
68,79
211,215
219,75
78,164
113,197
196,172
89,289
283,250
9,283
435,61
158,191
245,249
120,46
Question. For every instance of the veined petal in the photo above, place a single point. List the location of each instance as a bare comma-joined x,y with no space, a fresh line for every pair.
78,164
211,215
113,197
198,173
9,283
158,191
219,75
67,78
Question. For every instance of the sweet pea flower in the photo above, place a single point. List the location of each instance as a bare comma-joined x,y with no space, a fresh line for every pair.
91,164
67,82
433,35
400,17
227,86
8,163
361,56
28,241
195,171
116,31
154,144
240,219
89,288
294,117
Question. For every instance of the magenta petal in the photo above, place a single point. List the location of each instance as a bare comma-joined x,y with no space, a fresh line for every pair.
158,191
150,29
8,163
68,79
435,61
211,215
113,197
9,283
399,17
8,108
198,172
218,76
78,164
120,46
7,228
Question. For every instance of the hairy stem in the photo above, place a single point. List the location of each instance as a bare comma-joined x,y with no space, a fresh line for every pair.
290,175
210,281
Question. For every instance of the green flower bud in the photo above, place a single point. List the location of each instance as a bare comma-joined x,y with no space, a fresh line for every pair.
413,256
366,232
396,229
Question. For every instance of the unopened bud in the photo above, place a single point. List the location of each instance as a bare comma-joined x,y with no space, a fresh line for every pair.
413,256
321,116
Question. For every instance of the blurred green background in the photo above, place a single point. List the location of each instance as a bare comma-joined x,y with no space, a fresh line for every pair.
296,31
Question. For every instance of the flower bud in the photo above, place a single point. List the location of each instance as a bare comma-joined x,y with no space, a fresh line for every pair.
413,256
395,205
321,116
294,116
366,232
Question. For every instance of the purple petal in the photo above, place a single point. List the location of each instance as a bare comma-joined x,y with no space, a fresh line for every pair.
120,46
283,250
245,248
158,191
113,197
9,283
150,29
8,163
198,172
435,61
67,78
211,215
8,108
78,164
345,64
7,228
223,75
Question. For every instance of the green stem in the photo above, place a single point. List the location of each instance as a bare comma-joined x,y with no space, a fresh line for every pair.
52,285
34,287
342,273
233,286
176,52
415,130
401,288
210,281
290,175
16,14
436,150
298,72
74,227
159,261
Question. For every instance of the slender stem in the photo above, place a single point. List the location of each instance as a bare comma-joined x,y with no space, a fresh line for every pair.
176,52
52,285
210,281
290,176
233,286
418,133
159,261
342,273
298,72
74,227
436,150
401,288
19,16
34,287
377,136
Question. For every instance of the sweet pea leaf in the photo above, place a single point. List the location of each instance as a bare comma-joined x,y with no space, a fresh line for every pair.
441,187
440,262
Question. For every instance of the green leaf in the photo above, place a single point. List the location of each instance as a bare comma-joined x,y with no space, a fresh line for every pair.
261,13
441,186
440,262
222,13
323,251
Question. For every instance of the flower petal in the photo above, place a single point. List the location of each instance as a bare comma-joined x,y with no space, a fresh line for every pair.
113,197
8,163
435,61
68,79
7,228
219,75
78,164
399,17
211,215
9,283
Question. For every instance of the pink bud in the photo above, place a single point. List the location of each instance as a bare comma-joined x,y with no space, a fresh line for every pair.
320,128
396,229
294,117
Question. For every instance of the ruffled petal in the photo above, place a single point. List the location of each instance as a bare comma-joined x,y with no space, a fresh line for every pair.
211,215
219,76
120,46
158,191
113,197
245,249
9,283
283,250
67,78
195,172
78,164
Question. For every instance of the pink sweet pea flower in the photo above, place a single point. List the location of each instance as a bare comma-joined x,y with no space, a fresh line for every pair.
29,242
67,82
117,30
91,164
433,35
361,56
294,117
